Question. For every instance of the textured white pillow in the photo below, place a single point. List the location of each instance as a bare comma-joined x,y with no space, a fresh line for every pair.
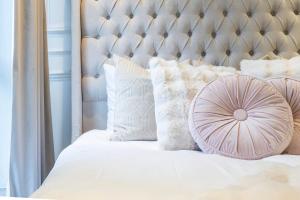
130,101
264,68
175,84
109,70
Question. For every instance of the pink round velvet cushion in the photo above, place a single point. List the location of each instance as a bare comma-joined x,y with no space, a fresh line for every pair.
241,117
290,89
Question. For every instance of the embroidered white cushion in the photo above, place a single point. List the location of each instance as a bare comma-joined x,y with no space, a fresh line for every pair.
175,84
130,101
264,68
109,70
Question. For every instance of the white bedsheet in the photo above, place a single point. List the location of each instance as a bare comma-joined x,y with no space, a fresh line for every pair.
95,168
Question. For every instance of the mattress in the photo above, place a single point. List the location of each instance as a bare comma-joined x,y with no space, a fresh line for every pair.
95,168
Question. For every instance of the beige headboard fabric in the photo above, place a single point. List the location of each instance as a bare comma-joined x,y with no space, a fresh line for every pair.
222,32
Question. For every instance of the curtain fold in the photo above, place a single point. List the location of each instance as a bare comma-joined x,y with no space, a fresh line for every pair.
76,71
32,151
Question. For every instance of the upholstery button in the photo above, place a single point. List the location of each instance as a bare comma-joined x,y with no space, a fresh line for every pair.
154,15
225,13
249,14
238,32
109,55
251,52
286,32
275,51
177,14
273,13
296,12
97,75
155,54
190,33
201,14
298,51
107,17
119,35
262,32
213,34
165,35
130,15
178,55
143,35
203,53
228,52
130,54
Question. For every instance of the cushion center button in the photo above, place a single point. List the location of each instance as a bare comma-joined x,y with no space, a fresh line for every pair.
240,114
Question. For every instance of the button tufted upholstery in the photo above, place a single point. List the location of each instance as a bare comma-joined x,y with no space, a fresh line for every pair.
222,32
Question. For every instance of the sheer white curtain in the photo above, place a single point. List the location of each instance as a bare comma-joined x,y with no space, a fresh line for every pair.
32,154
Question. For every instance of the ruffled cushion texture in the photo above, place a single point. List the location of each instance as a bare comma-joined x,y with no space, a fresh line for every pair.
175,85
130,101
290,89
241,117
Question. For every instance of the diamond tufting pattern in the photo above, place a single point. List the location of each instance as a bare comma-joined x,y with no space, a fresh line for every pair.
222,32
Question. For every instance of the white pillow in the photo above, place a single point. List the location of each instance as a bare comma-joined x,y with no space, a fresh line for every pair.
130,101
109,70
175,85
262,68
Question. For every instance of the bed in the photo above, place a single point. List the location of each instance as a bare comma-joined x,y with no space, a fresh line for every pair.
221,32
94,168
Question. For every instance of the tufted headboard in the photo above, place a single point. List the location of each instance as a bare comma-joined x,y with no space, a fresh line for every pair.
222,32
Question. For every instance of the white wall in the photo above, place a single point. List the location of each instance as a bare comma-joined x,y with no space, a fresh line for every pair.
5,88
59,44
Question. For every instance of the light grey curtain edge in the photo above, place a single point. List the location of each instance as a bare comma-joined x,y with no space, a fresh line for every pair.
32,150
48,156
76,70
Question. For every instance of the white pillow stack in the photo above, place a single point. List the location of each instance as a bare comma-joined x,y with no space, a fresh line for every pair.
131,111
175,85
130,100
154,104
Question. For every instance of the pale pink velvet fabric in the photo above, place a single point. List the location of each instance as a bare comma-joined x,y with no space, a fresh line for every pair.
290,89
241,117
